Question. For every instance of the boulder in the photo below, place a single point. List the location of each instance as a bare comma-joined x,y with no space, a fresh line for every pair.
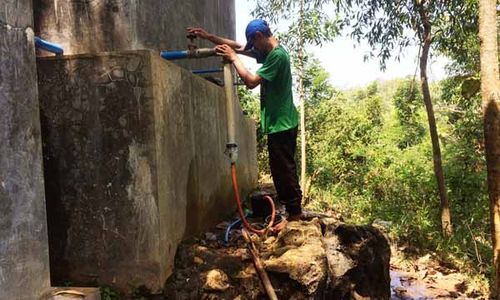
320,259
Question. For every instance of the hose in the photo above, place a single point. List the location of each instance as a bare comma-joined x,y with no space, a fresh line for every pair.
240,209
228,230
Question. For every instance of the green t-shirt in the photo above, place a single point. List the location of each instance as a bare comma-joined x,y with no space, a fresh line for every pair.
277,111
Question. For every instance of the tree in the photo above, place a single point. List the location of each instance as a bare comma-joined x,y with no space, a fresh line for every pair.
386,24
317,86
490,92
312,26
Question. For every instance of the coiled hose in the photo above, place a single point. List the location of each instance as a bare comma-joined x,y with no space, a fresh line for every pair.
247,225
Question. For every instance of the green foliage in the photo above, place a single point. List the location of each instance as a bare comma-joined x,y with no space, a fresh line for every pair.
369,151
370,157
319,27
108,293
458,38
250,104
310,26
465,161
390,26
374,105
408,103
317,86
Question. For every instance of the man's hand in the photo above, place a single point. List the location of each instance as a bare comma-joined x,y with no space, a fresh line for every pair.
227,52
199,32
217,40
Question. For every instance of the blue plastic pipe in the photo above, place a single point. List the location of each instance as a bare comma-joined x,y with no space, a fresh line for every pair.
194,53
171,55
48,46
228,230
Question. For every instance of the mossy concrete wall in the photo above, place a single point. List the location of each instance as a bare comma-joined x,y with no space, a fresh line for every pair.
134,161
24,258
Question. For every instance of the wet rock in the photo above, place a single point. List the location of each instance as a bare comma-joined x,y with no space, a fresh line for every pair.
366,255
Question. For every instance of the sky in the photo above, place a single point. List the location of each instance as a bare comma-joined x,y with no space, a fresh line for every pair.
343,58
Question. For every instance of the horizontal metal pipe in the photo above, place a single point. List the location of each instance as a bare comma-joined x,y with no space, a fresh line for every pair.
48,46
196,53
206,71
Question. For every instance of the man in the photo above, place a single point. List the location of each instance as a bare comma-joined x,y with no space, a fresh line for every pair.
279,118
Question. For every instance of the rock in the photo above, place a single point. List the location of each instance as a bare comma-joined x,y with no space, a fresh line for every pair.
424,260
243,254
385,226
270,240
248,272
454,294
358,262
298,251
198,260
210,236
400,292
216,280
344,262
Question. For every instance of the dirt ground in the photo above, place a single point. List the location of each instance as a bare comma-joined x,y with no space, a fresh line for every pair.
426,278
207,268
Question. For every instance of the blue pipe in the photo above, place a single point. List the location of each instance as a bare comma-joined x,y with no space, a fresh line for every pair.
194,53
204,71
170,55
228,229
48,46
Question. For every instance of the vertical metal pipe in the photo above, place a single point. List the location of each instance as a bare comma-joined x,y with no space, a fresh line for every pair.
231,146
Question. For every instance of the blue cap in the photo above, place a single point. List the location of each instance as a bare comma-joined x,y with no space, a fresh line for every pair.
252,28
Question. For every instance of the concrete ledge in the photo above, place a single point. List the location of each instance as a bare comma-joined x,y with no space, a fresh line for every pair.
72,293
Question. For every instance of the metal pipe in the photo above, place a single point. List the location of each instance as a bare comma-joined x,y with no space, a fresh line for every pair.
231,146
195,53
205,71
48,46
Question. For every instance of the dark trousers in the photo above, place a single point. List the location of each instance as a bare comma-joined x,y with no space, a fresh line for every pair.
281,147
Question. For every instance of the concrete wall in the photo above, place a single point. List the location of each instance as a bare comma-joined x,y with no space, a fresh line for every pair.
113,25
133,156
24,261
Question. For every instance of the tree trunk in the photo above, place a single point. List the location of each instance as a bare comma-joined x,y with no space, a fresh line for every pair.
436,150
490,92
301,101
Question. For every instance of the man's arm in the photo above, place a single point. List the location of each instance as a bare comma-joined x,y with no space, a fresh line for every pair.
217,40
251,80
